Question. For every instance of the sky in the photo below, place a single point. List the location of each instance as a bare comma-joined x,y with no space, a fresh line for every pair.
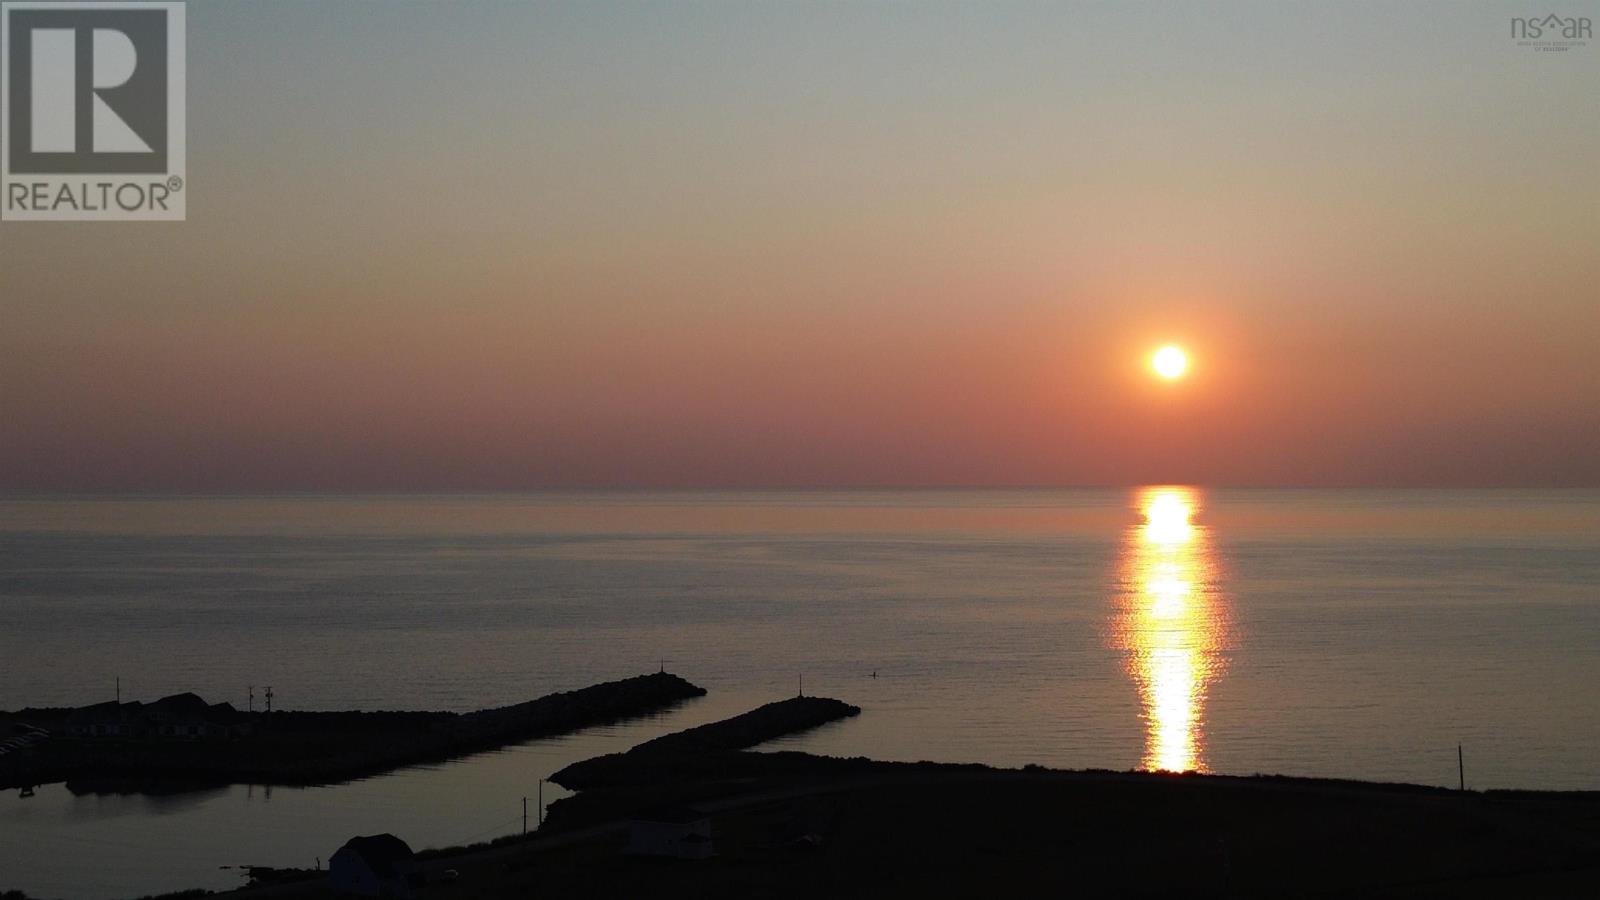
483,246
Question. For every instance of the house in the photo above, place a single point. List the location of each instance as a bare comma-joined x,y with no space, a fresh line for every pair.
107,720
379,865
186,716
676,832
178,717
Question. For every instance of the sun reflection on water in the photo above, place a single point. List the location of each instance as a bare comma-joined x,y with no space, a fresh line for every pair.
1172,623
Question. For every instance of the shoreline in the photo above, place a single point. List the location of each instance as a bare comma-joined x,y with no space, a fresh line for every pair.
791,824
286,748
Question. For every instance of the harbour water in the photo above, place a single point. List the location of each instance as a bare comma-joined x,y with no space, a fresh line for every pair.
1359,633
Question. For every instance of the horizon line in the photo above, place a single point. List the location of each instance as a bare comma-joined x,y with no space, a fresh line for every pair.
138,493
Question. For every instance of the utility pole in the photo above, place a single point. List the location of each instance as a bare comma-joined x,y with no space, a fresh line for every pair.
1461,768
802,685
251,701
269,699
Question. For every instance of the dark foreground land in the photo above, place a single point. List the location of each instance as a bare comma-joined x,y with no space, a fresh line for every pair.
796,825
297,748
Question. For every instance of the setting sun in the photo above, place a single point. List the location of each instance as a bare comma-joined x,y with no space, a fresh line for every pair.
1170,362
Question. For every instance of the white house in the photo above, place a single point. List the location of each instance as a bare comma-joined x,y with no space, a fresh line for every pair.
379,865
677,832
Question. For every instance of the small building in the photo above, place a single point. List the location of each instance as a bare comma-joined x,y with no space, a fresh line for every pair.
179,717
107,720
677,832
188,717
379,865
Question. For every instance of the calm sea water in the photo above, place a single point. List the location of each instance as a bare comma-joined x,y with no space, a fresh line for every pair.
1342,633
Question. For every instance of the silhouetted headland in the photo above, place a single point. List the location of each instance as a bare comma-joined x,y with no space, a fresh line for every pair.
795,825
182,741
789,824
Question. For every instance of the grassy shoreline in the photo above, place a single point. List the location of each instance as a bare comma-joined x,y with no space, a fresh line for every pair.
790,824
796,825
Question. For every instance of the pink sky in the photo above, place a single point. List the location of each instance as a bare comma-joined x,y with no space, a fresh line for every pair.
874,245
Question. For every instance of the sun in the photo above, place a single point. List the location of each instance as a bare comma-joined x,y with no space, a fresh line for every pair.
1170,362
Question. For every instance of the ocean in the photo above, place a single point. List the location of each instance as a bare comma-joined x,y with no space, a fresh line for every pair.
1348,633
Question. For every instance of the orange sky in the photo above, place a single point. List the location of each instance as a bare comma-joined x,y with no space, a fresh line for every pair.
620,245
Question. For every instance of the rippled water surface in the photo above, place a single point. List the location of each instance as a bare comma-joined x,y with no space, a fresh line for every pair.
1348,633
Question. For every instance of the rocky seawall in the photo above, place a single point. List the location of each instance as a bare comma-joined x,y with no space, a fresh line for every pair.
708,747
302,748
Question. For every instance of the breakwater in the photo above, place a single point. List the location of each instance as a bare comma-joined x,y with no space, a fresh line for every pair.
303,748
713,745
